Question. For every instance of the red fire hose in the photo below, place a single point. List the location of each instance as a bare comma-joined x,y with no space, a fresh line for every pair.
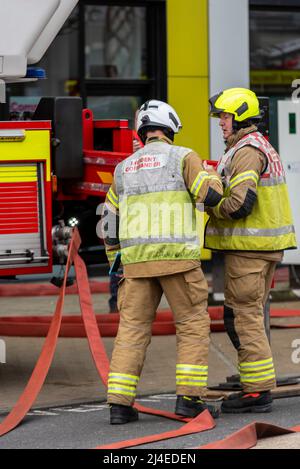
39,374
73,326
202,422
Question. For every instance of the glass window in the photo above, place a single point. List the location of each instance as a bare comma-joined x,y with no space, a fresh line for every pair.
115,42
114,107
61,61
274,49
103,53
62,71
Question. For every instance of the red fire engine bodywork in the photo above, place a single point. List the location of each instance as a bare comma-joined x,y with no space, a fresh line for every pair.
25,197
26,187
99,166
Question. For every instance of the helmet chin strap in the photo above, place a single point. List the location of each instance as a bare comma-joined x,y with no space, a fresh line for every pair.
236,126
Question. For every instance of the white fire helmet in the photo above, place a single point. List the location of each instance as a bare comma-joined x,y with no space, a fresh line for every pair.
156,113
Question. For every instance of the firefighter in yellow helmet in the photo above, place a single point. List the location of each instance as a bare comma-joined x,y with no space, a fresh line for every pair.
252,225
153,203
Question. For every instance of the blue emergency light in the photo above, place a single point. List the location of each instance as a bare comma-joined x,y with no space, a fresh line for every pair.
34,72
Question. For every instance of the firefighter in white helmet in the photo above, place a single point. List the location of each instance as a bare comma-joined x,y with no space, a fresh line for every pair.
154,203
252,224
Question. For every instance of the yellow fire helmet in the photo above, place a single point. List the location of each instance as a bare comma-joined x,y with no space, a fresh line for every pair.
240,102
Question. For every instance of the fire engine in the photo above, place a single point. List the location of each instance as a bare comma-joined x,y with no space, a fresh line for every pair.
55,169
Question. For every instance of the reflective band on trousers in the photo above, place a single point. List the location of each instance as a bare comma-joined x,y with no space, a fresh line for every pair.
191,375
191,368
123,377
255,375
249,231
251,372
254,379
191,382
125,390
119,383
256,365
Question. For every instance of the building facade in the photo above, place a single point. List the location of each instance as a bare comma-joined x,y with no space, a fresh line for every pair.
118,53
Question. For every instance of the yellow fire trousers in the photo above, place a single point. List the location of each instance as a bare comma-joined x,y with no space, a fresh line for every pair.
138,299
247,286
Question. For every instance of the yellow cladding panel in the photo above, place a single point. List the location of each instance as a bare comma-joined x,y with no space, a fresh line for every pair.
189,96
18,174
35,147
188,81
187,25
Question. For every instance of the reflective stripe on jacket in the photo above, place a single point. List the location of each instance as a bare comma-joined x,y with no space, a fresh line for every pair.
269,226
158,218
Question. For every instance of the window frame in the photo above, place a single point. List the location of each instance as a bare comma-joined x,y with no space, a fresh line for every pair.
276,6
153,87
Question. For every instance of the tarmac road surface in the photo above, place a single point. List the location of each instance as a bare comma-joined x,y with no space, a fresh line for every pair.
86,426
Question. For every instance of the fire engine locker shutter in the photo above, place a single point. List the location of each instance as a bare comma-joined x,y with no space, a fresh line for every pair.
22,222
66,116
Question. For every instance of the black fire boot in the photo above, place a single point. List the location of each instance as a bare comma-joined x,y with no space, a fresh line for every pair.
242,402
120,414
191,406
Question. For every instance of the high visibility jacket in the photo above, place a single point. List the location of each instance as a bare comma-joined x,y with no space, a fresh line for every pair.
158,218
269,226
